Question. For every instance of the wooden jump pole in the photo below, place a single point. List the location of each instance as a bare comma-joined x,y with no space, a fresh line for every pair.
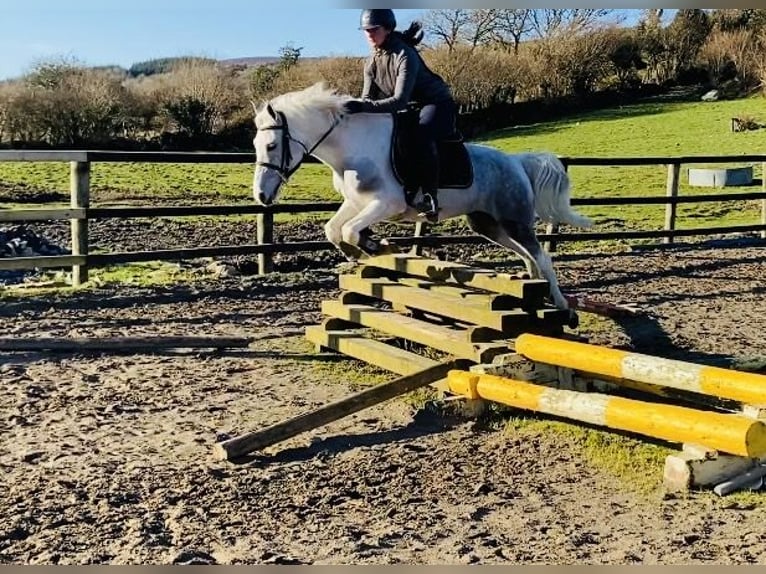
246,443
729,433
749,388
118,344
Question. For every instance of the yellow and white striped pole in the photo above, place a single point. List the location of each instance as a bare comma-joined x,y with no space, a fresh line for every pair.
728,433
749,388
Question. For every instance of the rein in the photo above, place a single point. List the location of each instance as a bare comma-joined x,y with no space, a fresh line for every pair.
284,169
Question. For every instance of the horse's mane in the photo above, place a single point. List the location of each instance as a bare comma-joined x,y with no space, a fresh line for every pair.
304,104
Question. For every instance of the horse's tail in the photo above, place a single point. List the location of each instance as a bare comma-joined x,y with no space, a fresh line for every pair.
550,183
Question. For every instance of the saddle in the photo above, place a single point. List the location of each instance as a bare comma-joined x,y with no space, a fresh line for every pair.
455,168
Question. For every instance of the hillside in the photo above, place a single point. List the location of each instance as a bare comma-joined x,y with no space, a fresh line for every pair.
252,61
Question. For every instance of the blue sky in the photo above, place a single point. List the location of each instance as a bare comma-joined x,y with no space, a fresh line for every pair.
123,32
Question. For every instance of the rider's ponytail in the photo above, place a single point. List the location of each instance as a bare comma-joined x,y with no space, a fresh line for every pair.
412,35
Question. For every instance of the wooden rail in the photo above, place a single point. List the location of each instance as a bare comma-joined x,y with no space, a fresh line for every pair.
79,213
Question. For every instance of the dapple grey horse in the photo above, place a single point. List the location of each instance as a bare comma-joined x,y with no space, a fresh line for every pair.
508,190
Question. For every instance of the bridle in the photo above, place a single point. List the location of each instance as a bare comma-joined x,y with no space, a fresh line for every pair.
284,170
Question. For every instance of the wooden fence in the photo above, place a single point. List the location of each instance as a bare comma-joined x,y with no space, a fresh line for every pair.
80,213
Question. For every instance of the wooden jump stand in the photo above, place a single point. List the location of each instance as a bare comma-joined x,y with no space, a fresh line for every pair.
502,342
708,410
393,301
456,309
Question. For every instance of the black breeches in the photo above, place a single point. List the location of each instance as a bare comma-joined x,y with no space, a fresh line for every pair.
437,121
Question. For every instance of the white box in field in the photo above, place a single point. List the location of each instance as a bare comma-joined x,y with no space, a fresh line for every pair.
721,177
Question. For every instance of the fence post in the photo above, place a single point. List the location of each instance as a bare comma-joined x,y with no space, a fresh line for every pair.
79,193
763,201
265,235
550,246
421,228
671,192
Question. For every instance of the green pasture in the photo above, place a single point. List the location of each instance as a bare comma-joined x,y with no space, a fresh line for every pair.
642,130
187,181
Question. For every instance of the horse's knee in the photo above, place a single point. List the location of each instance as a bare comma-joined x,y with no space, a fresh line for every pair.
350,234
333,232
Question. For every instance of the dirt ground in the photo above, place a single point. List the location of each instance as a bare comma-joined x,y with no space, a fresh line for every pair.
107,458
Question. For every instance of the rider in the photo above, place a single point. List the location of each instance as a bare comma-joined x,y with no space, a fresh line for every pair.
395,76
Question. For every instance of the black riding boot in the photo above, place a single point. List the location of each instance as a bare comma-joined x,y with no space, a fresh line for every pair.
429,183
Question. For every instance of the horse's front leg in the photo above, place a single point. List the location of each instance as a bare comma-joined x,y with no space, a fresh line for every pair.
333,229
355,232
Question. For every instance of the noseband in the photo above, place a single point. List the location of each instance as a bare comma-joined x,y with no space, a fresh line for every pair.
284,169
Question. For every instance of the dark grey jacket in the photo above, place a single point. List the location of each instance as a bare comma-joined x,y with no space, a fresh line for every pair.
395,75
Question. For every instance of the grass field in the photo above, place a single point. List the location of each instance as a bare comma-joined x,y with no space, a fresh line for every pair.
647,129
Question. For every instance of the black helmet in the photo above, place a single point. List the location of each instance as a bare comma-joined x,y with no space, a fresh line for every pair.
378,17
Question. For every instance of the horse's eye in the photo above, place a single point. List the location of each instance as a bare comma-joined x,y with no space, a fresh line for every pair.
271,147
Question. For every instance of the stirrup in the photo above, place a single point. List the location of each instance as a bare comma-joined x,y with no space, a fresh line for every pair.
428,207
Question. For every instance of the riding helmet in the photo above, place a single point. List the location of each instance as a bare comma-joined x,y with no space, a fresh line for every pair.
378,17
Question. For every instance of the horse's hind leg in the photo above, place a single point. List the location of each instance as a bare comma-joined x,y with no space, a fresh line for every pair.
522,240
488,226
525,236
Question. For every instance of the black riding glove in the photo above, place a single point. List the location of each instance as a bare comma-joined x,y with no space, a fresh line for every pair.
353,107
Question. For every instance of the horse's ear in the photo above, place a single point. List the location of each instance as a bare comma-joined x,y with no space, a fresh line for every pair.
271,111
258,108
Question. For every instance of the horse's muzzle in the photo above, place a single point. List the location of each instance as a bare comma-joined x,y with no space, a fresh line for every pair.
264,199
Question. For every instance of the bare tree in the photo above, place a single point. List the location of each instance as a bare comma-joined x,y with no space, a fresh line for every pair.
481,26
449,26
462,26
652,17
547,22
729,19
511,25
9,92
342,73
687,33
736,53
198,97
479,77
655,50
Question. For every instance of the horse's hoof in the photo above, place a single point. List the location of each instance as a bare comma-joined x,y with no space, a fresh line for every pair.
346,267
371,247
574,319
386,248
352,252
